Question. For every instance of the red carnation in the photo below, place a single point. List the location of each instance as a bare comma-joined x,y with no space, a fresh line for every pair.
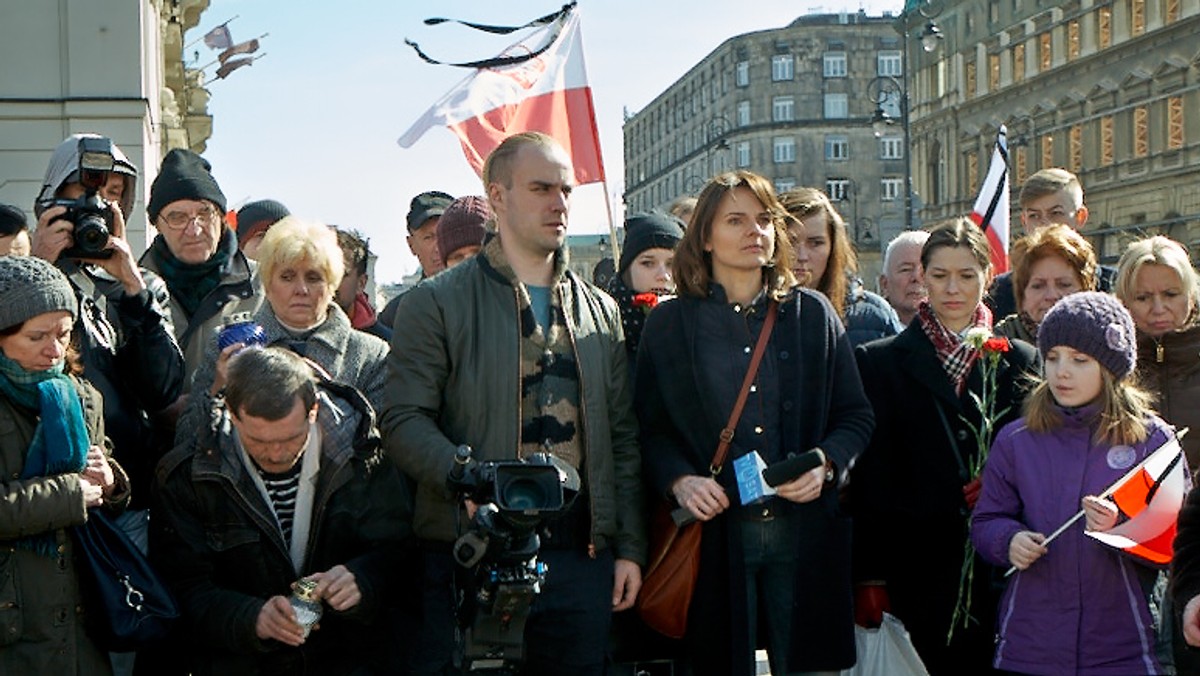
996,344
646,300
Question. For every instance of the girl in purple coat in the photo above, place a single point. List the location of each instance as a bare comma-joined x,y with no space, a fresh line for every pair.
1075,606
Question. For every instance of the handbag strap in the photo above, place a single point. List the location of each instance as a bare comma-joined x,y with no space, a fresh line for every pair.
759,348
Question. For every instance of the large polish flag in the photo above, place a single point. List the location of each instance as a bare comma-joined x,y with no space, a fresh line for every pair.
991,207
1151,496
548,93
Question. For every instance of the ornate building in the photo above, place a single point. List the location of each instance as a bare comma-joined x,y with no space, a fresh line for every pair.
114,68
794,104
1107,89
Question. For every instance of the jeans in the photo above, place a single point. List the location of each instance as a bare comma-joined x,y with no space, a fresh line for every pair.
568,626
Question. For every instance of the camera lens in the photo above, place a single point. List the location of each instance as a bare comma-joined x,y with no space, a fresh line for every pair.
524,493
91,233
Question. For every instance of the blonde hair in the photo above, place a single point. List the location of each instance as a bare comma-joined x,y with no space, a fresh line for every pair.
292,240
1054,240
1158,250
693,265
1124,409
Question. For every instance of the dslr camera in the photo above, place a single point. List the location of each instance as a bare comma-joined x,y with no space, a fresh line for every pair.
90,213
500,573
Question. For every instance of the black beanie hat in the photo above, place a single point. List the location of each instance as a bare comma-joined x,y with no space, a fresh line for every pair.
184,176
648,231
259,215
425,206
1096,324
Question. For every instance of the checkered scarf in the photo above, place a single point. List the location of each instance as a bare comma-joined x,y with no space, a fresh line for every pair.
956,356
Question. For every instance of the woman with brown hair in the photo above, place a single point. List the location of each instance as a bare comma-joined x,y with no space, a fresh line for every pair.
1050,263
824,260
913,490
784,559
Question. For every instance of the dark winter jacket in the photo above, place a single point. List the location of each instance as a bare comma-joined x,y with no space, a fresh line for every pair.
868,316
1169,367
821,404
216,541
128,351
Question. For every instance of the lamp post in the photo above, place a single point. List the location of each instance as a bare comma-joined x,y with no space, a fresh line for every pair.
884,87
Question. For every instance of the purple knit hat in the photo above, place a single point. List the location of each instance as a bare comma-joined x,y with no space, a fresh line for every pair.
1096,324
462,224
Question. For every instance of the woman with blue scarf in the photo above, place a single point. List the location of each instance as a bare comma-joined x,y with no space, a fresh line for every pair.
52,470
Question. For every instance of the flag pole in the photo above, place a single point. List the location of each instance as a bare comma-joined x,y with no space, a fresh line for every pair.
1107,493
612,227
210,30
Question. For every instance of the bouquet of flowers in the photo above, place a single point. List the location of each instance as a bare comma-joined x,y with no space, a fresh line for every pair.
991,349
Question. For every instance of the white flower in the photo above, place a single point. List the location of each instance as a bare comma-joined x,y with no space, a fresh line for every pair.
976,336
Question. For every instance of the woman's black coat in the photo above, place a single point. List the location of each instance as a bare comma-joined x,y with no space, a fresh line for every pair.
822,404
910,517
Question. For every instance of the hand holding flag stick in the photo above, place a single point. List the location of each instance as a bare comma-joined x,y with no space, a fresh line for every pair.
1151,526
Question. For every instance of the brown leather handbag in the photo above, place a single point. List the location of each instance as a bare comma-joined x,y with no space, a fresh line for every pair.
674,564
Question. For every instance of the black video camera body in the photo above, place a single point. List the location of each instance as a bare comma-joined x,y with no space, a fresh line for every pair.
90,213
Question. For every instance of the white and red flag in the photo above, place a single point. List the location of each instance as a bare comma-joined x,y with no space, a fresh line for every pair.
1151,497
247,47
537,84
991,210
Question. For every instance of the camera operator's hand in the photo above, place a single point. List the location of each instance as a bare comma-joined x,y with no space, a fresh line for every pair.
704,497
338,588
122,264
52,235
276,620
627,582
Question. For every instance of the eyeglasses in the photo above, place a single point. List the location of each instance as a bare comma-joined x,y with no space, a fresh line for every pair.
178,220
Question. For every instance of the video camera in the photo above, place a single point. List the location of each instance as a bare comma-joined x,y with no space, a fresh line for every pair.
498,552
90,213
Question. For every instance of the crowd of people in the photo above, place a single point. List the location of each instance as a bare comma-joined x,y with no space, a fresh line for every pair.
954,418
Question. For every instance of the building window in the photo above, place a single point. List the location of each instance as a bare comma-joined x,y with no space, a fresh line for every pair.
783,109
784,149
1019,62
837,189
1175,122
1075,141
742,76
835,64
891,148
837,148
993,11
743,113
972,173
1137,17
783,185
1141,131
889,63
993,72
891,189
1022,165
1104,27
782,67
837,106
743,154
1172,13
1045,55
1106,141
1047,151
1073,39
970,78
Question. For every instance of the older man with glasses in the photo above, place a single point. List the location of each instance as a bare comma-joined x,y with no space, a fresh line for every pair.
196,253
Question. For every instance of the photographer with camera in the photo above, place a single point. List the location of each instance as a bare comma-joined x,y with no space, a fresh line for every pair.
512,353
125,339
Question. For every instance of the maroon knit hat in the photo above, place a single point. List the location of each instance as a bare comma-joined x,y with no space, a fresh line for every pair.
462,224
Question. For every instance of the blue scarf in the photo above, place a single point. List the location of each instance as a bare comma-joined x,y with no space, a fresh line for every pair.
60,440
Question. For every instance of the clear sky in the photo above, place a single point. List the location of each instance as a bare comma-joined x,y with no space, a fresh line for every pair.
314,123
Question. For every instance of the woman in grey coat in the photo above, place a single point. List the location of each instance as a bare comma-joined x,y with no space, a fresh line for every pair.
300,265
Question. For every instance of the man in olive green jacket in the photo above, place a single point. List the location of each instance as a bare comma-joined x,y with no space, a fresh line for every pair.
512,354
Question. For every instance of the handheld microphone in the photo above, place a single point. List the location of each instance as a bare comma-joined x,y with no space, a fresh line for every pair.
791,467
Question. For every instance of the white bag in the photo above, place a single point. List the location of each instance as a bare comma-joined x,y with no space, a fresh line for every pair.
886,651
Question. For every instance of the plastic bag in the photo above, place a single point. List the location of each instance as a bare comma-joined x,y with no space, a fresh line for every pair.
886,651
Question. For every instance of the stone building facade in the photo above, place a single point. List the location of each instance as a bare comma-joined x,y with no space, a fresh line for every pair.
793,104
